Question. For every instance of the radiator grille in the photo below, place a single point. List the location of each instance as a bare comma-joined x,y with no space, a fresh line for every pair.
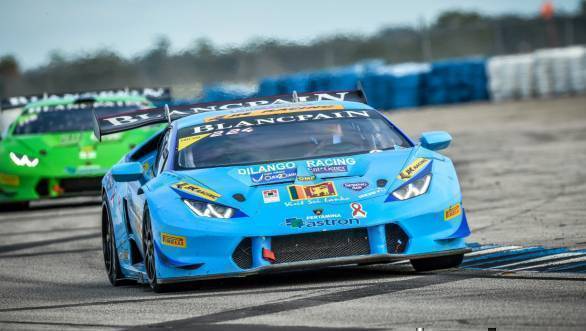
78,185
320,245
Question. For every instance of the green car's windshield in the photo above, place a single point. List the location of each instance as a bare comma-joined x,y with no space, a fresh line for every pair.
282,137
67,118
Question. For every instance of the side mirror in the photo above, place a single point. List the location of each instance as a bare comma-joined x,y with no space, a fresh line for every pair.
127,172
435,140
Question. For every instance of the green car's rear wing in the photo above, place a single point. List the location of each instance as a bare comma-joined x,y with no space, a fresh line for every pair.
104,124
154,94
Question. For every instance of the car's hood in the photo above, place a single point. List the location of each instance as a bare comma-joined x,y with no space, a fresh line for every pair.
272,186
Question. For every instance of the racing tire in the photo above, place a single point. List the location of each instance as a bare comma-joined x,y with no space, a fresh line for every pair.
436,263
150,264
110,251
15,206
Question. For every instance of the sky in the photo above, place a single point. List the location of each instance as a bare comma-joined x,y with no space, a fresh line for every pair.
31,29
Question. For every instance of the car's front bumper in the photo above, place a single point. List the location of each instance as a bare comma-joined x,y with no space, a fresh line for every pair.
15,188
211,256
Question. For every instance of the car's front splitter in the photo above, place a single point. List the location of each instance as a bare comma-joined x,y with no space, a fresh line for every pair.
316,264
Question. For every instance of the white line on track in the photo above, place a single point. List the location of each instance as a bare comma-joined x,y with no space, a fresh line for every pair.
495,250
541,258
576,259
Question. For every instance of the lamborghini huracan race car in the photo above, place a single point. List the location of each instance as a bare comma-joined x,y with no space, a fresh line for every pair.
50,150
274,184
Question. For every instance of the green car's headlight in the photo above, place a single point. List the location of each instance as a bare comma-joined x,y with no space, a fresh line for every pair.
413,189
206,209
23,160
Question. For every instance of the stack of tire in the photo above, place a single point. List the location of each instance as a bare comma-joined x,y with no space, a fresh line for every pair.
543,73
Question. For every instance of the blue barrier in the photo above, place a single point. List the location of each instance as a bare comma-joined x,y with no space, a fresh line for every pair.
224,92
387,86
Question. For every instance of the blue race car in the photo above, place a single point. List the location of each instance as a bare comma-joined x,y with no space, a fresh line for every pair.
275,184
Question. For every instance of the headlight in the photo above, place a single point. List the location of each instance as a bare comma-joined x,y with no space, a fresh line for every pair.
206,209
413,189
24,160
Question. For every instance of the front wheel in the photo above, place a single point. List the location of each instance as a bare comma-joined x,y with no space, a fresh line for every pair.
435,263
149,252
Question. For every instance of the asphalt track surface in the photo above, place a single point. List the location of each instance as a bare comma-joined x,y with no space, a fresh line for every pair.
522,171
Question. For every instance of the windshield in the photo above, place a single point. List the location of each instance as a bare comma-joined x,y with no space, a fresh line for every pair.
68,118
285,137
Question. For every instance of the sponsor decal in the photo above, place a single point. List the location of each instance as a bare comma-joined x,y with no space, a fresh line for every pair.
299,203
329,169
154,93
84,169
322,190
230,132
359,186
273,176
197,191
172,240
267,168
277,119
188,141
273,111
9,180
371,193
340,161
452,212
89,105
158,114
87,153
412,169
323,216
318,211
270,196
298,223
294,222
357,210
305,178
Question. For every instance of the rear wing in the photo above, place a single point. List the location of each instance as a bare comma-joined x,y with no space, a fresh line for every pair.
154,94
104,125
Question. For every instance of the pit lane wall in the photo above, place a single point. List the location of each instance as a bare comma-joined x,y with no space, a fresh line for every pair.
541,74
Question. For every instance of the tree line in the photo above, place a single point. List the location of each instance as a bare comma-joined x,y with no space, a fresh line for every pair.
453,34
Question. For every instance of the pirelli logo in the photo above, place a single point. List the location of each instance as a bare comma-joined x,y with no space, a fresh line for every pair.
197,191
172,240
452,212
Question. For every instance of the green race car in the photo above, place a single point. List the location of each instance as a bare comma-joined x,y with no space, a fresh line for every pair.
50,150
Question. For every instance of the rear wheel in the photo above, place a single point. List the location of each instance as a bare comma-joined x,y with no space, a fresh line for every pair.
149,252
109,249
435,263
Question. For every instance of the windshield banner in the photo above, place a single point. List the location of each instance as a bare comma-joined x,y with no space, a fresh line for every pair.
105,124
